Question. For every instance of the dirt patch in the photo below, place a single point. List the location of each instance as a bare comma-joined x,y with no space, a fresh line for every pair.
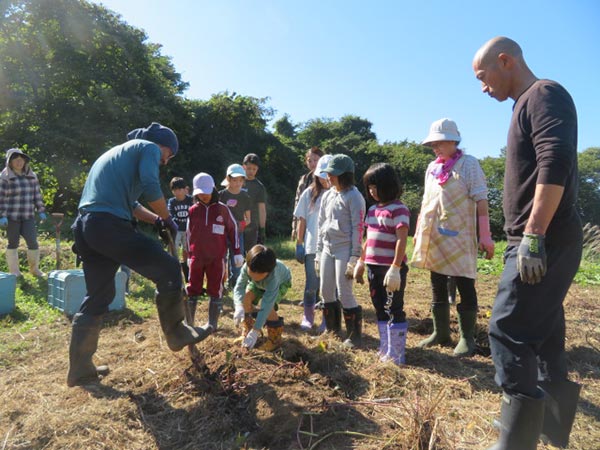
310,394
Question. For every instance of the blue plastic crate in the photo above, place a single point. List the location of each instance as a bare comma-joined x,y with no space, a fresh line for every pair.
66,290
8,285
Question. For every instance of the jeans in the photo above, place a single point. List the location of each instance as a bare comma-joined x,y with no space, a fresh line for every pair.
234,272
312,281
104,242
527,327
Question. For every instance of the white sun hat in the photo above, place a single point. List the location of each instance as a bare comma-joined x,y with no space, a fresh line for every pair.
442,130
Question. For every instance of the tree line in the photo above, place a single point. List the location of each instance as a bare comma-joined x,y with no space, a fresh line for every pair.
75,78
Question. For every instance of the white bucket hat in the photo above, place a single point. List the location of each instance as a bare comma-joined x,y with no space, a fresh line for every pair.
203,184
442,130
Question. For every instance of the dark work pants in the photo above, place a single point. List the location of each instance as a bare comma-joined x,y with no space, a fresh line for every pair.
104,242
25,228
250,237
527,328
466,289
387,309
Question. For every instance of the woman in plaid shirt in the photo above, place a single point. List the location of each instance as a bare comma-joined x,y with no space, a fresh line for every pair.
20,197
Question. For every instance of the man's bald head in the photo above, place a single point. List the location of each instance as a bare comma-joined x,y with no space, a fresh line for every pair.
494,47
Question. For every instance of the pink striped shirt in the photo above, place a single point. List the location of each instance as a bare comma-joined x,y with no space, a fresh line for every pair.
382,223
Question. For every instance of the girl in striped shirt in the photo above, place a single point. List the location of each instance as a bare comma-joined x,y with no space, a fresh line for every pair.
387,223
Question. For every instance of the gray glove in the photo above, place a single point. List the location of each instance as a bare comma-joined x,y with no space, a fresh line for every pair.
531,258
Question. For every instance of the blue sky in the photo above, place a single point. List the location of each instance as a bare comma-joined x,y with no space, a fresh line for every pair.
399,64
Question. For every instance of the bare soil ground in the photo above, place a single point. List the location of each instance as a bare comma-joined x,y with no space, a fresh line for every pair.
308,395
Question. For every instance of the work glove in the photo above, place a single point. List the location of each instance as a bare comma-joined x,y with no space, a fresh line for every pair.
392,279
238,315
165,227
531,258
242,225
349,273
261,236
250,339
43,216
3,222
317,263
359,271
300,253
238,260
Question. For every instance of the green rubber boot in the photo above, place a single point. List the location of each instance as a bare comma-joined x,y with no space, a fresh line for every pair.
441,326
466,346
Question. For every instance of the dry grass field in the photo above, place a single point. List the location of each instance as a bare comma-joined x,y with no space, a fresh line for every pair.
309,395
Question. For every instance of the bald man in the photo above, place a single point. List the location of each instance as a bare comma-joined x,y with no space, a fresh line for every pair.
527,327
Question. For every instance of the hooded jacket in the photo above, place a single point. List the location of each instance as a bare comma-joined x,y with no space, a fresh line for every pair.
20,194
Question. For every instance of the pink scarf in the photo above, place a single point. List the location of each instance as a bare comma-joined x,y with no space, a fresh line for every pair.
442,169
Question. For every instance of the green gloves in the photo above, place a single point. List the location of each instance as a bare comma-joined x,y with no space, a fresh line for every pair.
531,258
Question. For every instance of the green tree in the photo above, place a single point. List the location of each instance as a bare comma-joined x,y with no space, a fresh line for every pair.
588,200
74,78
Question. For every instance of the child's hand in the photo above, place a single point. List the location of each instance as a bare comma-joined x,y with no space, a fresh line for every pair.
238,315
350,267
392,279
250,339
359,271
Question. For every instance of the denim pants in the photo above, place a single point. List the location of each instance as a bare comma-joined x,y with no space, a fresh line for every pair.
527,327
312,280
234,272
104,242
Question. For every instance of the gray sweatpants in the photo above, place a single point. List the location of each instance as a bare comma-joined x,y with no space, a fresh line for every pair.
331,269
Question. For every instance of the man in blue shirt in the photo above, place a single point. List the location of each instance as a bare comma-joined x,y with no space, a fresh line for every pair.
105,238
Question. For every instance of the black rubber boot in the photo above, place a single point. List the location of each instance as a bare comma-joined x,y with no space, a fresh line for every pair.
215,305
171,314
353,319
332,312
84,343
560,406
441,326
521,419
467,321
192,304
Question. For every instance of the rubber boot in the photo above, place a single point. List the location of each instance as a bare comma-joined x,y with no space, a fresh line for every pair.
274,335
12,260
353,319
215,304
84,343
33,258
560,406
441,326
192,304
171,314
521,419
332,313
397,343
466,346
308,319
382,327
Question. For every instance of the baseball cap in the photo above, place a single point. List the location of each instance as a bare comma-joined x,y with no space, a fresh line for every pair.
322,165
234,170
339,164
203,184
442,130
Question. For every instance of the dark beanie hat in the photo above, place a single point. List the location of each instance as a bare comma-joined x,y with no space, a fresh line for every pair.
158,134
